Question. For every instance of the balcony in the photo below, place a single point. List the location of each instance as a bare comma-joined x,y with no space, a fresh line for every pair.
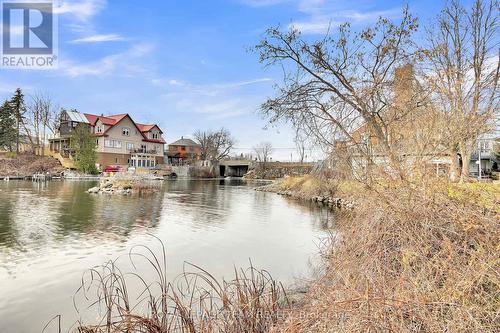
143,151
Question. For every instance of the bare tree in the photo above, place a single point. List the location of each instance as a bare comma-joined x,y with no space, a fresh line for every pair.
300,143
464,64
41,117
263,152
215,145
336,84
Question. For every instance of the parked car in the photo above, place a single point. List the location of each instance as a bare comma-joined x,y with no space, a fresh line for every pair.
113,168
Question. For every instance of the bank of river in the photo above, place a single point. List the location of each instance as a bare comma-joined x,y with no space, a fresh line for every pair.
51,233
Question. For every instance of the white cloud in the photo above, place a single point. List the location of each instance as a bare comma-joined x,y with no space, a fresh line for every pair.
100,38
82,10
319,23
206,89
126,63
212,101
216,108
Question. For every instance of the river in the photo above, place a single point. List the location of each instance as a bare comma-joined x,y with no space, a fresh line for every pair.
51,233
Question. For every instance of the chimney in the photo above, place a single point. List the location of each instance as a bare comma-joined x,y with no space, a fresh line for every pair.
403,85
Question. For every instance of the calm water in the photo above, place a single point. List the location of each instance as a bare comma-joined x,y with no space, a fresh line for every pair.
50,234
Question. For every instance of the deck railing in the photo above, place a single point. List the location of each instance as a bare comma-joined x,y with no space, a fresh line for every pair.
143,151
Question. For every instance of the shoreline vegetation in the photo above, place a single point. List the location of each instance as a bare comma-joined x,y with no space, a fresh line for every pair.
404,258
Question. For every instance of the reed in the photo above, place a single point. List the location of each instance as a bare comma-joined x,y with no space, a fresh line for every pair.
195,302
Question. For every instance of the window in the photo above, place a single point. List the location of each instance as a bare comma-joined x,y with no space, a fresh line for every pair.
97,142
156,135
126,131
98,129
183,147
130,146
112,144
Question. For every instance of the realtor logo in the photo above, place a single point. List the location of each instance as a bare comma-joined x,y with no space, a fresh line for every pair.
28,35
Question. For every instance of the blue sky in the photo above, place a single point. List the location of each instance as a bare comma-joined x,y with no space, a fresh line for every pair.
184,64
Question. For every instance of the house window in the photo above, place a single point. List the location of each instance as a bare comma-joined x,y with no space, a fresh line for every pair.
112,143
98,129
97,142
126,131
156,135
130,146
183,147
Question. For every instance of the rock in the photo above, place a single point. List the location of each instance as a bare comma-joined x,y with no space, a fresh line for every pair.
93,190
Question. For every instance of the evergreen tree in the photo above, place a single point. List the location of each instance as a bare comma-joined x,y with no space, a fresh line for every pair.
19,109
84,149
7,126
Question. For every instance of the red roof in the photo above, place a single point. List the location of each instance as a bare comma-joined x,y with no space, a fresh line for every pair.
115,119
91,118
145,128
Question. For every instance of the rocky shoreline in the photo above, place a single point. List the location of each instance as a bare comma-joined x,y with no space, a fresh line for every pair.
125,185
332,202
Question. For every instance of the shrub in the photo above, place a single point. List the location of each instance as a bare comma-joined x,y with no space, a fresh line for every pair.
407,259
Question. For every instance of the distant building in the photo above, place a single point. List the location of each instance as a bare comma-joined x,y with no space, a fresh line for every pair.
487,147
119,139
183,151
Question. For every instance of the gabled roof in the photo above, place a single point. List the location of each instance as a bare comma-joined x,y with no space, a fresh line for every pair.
113,120
147,128
92,118
185,142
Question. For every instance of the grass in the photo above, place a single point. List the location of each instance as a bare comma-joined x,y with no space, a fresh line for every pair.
483,194
196,302
408,259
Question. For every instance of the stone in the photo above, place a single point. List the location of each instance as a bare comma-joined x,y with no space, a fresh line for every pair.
93,190
108,185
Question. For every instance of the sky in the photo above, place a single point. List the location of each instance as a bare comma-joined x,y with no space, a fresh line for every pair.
185,65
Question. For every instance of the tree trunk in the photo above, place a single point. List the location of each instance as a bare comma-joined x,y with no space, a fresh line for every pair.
466,149
17,136
455,170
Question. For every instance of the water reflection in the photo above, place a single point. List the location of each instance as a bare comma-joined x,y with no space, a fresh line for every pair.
51,233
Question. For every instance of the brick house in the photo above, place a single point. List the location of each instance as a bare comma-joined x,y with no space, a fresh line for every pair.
183,151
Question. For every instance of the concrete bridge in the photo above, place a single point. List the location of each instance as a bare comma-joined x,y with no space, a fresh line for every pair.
234,168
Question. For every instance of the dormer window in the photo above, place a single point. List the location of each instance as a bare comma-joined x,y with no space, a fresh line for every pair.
98,129
126,131
156,135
